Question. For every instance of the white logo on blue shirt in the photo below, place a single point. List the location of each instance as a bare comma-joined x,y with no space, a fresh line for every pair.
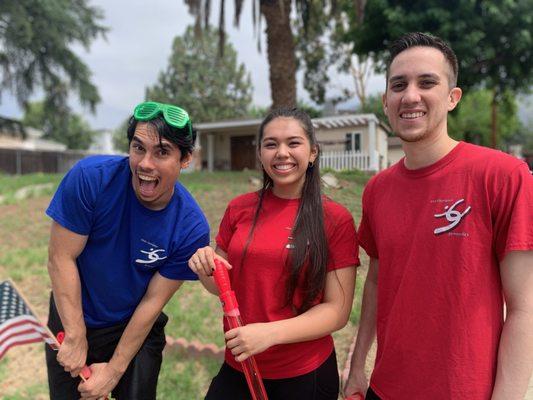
153,256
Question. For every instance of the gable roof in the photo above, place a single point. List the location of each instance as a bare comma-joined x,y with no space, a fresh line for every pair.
331,122
340,121
12,127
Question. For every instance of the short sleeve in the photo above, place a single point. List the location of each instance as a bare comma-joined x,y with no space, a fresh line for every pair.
225,231
343,249
177,266
513,213
365,234
73,203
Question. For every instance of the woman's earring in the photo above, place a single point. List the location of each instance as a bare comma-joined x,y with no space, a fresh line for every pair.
310,165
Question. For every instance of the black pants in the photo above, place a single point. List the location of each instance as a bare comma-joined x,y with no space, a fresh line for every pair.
320,384
139,382
371,395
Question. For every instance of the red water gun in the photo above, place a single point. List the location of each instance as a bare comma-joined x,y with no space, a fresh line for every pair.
233,316
85,372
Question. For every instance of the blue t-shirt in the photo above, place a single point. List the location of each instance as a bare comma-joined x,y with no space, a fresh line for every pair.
127,242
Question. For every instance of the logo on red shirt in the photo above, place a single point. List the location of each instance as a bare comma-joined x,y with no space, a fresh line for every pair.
453,216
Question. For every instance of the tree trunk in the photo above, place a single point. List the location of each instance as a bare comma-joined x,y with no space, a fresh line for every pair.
280,50
494,121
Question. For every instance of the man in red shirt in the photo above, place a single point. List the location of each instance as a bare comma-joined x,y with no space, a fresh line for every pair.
450,230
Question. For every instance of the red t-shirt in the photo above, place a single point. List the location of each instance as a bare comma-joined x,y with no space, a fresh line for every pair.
439,233
259,284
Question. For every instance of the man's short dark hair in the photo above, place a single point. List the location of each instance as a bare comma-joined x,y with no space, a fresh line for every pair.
414,39
179,136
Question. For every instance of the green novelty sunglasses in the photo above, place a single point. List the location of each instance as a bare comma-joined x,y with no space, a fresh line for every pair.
174,115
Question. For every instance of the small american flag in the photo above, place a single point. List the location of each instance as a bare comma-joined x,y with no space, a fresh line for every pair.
18,325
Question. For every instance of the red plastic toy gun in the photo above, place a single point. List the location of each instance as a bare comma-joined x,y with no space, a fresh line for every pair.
233,316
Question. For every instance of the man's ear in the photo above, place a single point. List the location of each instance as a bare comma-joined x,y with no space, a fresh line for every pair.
186,160
384,102
454,98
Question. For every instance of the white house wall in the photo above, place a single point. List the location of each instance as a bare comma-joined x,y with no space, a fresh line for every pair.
338,135
382,147
395,154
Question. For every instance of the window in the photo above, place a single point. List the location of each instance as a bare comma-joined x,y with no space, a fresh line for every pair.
353,141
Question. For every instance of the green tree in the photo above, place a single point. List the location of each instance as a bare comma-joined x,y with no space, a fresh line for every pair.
36,39
261,112
70,129
120,137
207,86
373,105
471,120
281,50
492,39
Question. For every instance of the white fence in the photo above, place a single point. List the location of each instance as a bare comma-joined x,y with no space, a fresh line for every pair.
341,160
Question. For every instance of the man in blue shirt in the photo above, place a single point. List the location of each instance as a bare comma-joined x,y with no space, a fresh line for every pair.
123,230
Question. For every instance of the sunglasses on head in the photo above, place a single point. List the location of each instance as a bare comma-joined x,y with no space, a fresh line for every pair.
173,115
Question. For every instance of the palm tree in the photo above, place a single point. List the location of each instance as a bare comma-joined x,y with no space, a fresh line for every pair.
280,37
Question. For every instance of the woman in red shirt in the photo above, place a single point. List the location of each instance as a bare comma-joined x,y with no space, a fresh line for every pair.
291,255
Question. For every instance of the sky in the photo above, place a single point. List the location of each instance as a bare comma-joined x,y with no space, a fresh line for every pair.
138,46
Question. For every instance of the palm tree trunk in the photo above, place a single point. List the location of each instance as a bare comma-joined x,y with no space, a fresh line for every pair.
280,50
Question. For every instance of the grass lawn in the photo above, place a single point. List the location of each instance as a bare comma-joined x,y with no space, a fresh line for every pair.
194,314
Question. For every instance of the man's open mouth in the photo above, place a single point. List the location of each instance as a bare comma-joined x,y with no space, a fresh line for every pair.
147,184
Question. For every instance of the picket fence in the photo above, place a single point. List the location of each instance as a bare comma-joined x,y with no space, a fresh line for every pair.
345,160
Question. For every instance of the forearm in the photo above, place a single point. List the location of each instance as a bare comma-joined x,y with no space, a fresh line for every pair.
366,332
324,318
319,321
134,335
515,356
140,324
66,287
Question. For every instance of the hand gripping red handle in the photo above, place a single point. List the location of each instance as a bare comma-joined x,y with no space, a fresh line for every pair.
85,372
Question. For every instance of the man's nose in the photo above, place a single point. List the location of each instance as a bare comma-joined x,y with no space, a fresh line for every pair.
411,94
147,162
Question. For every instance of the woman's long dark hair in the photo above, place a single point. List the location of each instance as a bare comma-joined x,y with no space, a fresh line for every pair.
310,252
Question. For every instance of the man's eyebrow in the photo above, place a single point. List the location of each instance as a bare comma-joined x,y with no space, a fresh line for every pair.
396,78
164,146
430,75
423,76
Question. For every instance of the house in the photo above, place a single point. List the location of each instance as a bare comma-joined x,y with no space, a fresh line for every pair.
231,145
11,132
13,135
24,151
395,149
